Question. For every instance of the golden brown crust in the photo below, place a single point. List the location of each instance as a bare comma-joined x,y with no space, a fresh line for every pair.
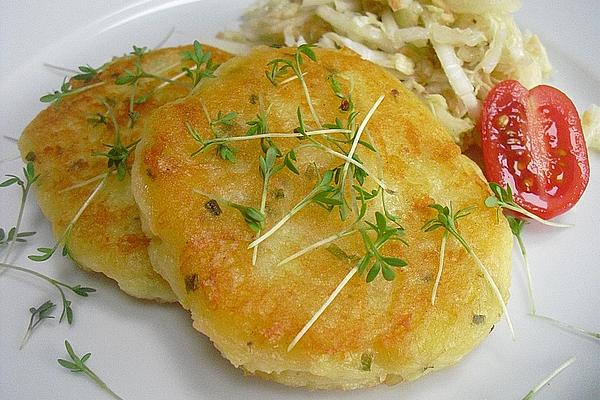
108,237
253,313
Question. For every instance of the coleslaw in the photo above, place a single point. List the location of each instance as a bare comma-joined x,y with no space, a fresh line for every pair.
448,52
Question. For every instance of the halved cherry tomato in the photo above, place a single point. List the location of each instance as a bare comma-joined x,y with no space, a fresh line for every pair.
532,141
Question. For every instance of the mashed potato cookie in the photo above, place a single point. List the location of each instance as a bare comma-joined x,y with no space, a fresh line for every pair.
63,141
198,178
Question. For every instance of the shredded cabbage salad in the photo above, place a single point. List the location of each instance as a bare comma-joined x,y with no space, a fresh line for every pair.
448,52
590,122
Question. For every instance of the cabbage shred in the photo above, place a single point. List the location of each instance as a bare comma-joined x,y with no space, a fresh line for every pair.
590,122
448,52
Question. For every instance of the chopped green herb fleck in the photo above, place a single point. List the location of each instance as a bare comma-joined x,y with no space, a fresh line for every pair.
366,359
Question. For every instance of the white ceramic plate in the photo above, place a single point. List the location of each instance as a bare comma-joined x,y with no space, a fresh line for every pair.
149,351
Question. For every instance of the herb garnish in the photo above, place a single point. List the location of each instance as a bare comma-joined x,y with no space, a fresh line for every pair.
329,198
581,331
267,167
87,73
86,182
516,226
217,125
66,304
131,77
440,268
280,67
346,232
532,393
364,197
139,51
118,153
446,219
200,59
46,252
253,217
14,234
358,173
77,364
266,164
317,194
98,119
503,198
384,233
66,89
385,264
38,315
366,359
207,144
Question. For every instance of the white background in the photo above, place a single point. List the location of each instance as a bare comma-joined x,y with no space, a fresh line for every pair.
150,351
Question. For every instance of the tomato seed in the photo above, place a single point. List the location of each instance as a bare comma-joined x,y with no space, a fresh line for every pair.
502,121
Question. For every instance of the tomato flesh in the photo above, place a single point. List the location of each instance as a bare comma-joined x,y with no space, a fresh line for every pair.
532,141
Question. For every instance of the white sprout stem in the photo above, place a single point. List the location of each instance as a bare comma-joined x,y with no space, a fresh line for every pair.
359,165
173,79
130,123
290,79
357,136
166,38
263,206
320,311
310,104
83,183
27,335
51,281
595,335
528,272
267,177
58,68
316,245
440,268
167,68
17,226
169,81
82,209
163,79
205,111
301,204
104,386
353,199
490,280
549,378
30,330
318,132
531,215
85,88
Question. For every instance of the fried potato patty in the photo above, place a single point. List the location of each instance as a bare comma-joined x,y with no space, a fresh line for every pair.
372,332
62,141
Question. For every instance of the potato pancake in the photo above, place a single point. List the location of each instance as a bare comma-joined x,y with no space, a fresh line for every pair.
63,141
382,331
